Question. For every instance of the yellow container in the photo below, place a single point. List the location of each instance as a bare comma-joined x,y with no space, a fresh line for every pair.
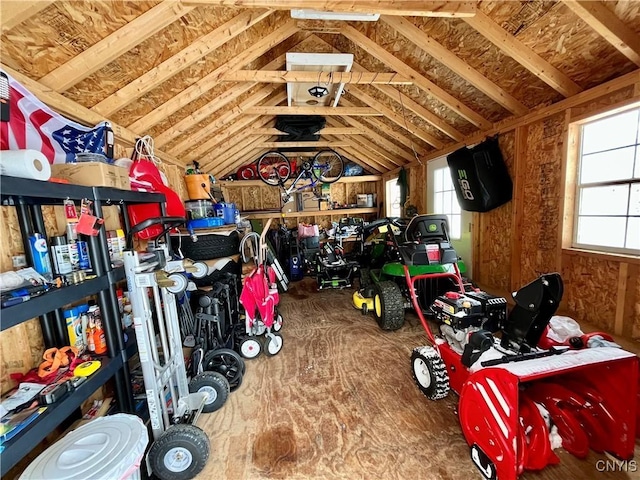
198,186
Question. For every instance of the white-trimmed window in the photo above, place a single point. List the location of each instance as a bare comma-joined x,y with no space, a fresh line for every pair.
445,201
607,216
392,195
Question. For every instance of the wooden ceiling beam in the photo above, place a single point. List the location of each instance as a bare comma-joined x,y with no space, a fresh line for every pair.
388,7
196,138
524,55
176,63
383,157
241,159
419,80
114,45
324,131
299,76
210,80
316,144
456,65
220,159
604,21
340,111
80,113
407,141
362,158
379,139
394,117
14,12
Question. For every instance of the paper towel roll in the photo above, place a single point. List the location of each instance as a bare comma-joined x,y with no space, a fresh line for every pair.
25,164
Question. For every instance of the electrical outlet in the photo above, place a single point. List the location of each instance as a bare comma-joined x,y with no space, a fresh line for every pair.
19,261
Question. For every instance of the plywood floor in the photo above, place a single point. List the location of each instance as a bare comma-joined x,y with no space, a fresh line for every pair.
339,403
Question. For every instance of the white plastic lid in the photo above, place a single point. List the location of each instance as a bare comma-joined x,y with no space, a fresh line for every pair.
105,448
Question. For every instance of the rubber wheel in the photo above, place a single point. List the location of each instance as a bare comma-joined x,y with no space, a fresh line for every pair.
430,372
273,168
365,309
328,166
180,453
273,344
250,347
208,246
226,362
388,306
277,323
213,383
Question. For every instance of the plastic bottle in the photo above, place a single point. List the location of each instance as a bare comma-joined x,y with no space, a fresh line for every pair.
99,340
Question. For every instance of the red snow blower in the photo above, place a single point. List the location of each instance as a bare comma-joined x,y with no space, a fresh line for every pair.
513,393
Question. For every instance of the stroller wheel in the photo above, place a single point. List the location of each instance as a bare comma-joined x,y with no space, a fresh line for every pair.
277,323
227,363
250,347
215,386
273,344
430,372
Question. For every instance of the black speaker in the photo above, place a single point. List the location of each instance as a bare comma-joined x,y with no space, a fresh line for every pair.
480,176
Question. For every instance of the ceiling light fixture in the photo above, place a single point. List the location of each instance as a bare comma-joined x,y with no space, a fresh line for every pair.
318,91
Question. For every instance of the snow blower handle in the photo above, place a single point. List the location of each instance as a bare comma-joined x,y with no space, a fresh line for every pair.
524,356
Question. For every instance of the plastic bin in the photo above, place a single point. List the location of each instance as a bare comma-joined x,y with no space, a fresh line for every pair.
105,448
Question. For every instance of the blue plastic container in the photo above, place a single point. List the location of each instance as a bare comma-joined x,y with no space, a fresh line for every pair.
206,222
226,211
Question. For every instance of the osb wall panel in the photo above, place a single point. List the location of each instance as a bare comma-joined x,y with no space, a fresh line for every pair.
542,183
148,54
590,286
418,187
175,177
610,99
63,30
270,197
233,194
495,232
339,193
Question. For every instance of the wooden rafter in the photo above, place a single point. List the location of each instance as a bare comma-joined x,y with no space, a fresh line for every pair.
293,76
388,7
218,154
384,158
241,159
379,139
419,80
324,131
318,144
209,81
176,63
79,113
220,121
244,124
604,21
205,147
14,12
394,117
362,158
114,45
524,55
285,110
456,65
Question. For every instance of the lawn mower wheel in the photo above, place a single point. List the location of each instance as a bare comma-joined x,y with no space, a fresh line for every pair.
388,306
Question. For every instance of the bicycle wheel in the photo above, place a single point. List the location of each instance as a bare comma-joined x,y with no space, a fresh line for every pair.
274,168
328,166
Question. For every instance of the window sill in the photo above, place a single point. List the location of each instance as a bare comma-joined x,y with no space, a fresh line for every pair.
614,257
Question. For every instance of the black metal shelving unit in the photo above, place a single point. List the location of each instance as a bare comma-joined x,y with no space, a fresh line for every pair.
28,196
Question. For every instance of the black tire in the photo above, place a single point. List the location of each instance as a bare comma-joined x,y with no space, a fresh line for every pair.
328,166
208,246
273,345
213,383
226,362
388,306
273,168
180,453
429,372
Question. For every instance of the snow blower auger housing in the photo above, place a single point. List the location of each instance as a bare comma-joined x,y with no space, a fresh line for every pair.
397,250
507,384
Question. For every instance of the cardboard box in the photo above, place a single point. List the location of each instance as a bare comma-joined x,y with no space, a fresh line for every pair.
292,205
93,174
308,202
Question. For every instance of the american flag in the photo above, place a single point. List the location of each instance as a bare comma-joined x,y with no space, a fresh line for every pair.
33,125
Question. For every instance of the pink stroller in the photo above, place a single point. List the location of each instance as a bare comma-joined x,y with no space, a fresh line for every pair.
260,299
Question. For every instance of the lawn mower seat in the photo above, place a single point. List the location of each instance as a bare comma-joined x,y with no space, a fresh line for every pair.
427,241
536,303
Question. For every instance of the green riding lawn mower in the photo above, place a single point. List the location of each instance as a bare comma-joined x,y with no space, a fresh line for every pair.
396,249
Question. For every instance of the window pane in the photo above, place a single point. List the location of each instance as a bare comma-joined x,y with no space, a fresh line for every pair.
437,203
438,180
617,131
633,233
456,205
634,200
610,165
455,226
609,200
636,172
447,185
603,231
446,202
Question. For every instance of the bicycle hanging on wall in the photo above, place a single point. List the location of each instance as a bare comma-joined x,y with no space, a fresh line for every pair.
274,168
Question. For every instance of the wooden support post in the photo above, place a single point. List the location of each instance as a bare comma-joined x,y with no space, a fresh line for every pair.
518,205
